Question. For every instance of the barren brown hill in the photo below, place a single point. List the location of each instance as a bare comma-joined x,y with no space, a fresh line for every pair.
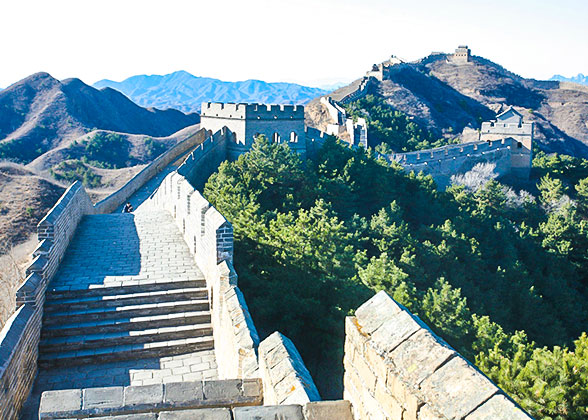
40,113
447,97
24,201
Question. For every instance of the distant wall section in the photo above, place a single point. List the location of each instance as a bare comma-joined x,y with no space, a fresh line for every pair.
443,162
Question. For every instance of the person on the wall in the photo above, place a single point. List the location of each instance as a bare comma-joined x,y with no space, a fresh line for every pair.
128,208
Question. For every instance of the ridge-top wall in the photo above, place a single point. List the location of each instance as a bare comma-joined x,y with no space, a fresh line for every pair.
443,162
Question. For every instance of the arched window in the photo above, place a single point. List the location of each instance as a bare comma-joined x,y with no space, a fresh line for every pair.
293,137
276,138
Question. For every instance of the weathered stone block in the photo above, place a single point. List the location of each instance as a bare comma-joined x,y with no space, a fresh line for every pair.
354,334
183,393
365,372
376,311
268,412
60,403
100,399
377,363
395,331
199,414
222,390
404,393
147,395
390,405
372,407
499,408
419,356
327,410
427,413
457,388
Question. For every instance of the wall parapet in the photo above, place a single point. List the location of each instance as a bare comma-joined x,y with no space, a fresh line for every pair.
443,162
209,237
285,377
206,157
396,367
19,339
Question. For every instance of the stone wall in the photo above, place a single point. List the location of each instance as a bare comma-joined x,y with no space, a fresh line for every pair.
210,239
285,378
205,159
397,368
233,399
113,201
363,90
443,162
19,339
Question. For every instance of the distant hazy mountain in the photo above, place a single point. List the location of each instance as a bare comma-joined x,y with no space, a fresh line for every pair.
181,90
580,78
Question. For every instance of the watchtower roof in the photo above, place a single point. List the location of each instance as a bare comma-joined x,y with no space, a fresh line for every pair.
510,115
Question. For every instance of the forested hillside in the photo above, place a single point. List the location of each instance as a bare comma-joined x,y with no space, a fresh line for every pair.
501,275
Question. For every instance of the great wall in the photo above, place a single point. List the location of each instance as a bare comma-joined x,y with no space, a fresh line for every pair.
140,316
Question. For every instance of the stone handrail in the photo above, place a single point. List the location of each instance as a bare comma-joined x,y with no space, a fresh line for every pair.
396,367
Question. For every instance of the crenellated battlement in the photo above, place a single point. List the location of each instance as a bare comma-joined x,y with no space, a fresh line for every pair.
279,123
251,111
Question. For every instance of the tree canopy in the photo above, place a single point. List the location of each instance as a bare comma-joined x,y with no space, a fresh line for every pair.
500,275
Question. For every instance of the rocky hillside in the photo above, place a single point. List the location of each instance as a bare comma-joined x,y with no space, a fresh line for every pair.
24,200
40,113
183,91
447,98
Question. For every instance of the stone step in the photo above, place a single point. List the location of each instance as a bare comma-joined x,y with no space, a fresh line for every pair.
133,324
125,352
68,291
139,298
96,340
124,312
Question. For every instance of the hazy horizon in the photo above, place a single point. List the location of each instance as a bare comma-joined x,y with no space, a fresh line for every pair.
310,43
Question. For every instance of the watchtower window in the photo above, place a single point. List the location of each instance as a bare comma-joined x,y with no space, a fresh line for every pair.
519,145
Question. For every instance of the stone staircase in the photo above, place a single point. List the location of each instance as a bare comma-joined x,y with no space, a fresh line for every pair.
134,293
125,322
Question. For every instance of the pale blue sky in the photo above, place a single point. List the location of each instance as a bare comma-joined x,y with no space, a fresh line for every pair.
305,41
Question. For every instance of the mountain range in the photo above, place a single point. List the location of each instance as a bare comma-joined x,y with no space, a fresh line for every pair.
186,92
580,79
41,113
447,98
49,130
